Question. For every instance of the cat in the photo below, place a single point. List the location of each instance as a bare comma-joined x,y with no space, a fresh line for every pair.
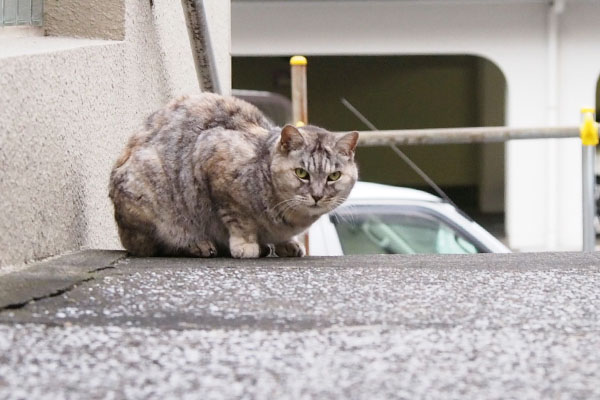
210,175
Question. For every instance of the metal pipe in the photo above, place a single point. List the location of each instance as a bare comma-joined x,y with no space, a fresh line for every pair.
462,135
589,206
589,139
204,56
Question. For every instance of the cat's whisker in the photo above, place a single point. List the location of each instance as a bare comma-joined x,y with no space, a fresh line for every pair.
334,203
278,208
287,207
287,210
281,203
346,216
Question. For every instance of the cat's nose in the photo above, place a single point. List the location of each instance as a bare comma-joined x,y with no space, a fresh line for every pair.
316,198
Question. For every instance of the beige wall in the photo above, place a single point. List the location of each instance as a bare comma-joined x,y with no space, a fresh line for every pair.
98,19
67,107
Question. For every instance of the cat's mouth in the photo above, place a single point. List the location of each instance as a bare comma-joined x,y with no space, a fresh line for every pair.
317,205
316,209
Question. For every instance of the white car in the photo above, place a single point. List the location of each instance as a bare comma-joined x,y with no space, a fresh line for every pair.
382,219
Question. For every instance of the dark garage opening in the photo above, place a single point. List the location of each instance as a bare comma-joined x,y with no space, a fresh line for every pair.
406,92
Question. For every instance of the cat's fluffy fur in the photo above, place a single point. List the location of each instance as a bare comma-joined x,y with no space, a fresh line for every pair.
209,175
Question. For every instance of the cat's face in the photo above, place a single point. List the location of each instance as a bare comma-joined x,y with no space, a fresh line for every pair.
313,170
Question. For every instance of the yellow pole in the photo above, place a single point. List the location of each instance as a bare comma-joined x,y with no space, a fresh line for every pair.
299,92
589,140
299,103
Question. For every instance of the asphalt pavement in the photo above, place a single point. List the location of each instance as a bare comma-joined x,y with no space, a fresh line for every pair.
98,324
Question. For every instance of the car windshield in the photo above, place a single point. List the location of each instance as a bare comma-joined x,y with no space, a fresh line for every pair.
398,230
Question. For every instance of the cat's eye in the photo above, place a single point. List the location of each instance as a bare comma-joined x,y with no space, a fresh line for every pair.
334,176
301,173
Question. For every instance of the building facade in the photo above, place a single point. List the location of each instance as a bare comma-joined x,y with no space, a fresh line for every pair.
545,50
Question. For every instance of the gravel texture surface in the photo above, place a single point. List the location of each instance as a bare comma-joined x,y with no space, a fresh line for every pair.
372,362
490,326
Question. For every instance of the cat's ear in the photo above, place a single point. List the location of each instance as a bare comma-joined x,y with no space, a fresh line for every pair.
291,138
347,143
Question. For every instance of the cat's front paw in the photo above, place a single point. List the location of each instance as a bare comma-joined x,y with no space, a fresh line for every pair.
204,248
245,250
290,249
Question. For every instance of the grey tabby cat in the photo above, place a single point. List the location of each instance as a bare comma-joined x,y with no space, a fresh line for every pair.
210,175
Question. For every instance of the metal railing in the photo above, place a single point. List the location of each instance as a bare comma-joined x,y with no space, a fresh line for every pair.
463,135
21,12
588,132
503,134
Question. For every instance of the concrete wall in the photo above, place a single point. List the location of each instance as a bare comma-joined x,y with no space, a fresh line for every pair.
97,19
67,108
543,177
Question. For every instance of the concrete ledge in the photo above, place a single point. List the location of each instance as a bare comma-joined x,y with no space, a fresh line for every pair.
311,292
54,276
20,31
